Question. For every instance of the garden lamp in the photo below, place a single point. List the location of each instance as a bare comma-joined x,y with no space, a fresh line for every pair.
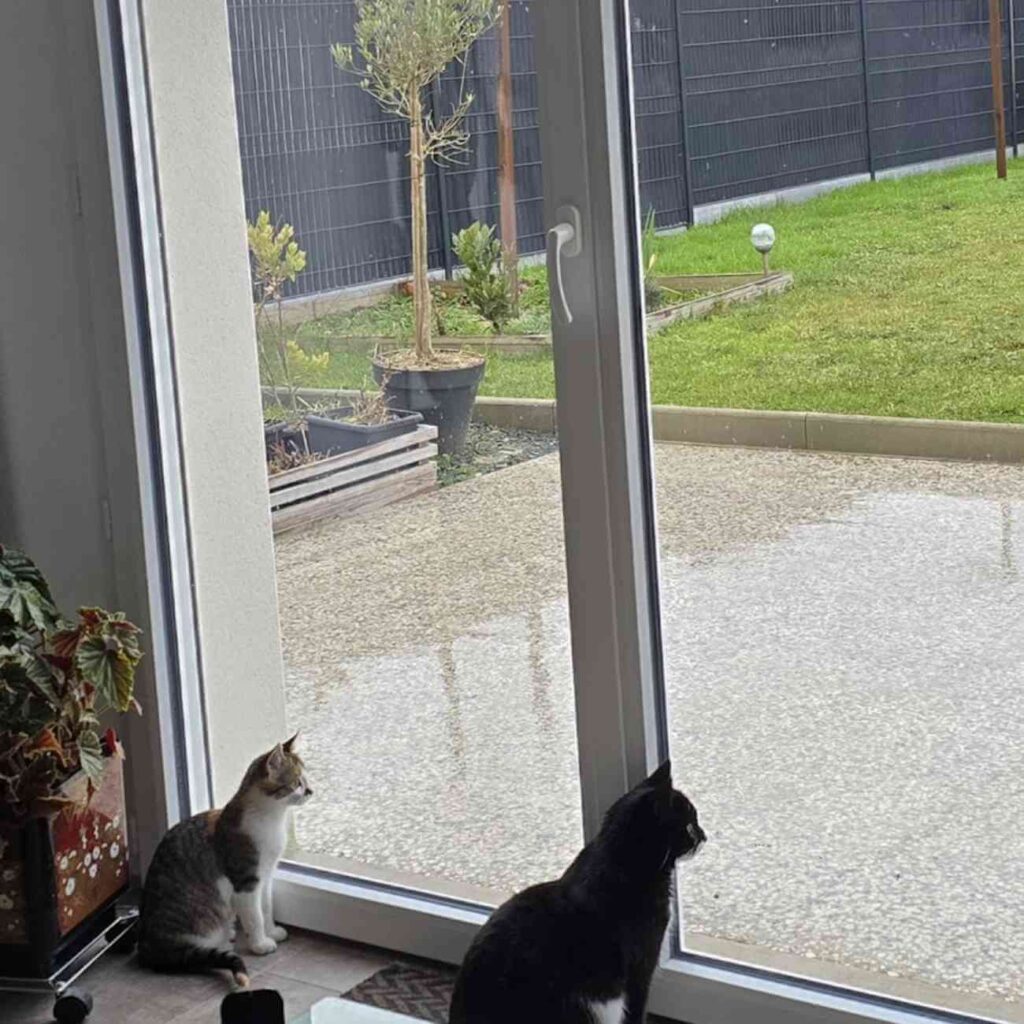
762,238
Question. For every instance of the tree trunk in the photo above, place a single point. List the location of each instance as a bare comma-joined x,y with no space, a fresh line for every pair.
418,199
506,160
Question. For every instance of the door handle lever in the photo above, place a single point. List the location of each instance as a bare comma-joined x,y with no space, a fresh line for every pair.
563,241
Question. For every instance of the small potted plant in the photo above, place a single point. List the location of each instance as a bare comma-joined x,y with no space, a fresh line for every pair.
63,841
401,48
368,419
276,260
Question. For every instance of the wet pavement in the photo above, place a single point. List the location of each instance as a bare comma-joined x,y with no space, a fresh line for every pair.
845,687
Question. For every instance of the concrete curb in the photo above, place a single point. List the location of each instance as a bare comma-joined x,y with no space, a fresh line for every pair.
517,413
796,431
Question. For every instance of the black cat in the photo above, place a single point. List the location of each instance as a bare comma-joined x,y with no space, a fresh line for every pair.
582,950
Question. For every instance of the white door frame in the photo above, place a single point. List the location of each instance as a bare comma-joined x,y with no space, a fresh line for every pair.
605,440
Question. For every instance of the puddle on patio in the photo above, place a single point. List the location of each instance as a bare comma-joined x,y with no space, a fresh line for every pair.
843,646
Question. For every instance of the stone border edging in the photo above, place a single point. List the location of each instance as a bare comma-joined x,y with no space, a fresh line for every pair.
739,288
796,431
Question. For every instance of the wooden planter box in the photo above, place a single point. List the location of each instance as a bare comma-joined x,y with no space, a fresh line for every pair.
356,481
725,289
61,875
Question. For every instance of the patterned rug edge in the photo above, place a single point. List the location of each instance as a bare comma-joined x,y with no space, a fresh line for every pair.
415,988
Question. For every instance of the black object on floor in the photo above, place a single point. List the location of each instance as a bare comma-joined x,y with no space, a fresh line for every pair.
420,990
253,1006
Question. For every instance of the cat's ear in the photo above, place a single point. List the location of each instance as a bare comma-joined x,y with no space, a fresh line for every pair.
274,761
661,778
289,745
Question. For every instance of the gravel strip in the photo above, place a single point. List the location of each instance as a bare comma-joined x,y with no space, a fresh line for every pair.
489,448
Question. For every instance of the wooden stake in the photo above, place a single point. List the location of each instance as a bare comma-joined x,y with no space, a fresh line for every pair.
506,157
995,41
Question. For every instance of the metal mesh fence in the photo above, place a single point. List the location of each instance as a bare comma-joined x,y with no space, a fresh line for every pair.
929,79
775,95
733,98
1015,43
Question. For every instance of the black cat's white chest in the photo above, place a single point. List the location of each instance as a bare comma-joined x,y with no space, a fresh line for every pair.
611,1011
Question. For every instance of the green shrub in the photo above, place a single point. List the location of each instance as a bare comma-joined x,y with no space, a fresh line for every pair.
485,282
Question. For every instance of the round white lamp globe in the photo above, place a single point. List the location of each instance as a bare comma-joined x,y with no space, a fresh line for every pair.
762,237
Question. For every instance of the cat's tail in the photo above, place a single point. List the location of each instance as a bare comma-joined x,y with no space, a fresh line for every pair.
184,957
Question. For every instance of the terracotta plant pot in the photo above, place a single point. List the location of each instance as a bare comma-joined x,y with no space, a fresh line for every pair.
61,875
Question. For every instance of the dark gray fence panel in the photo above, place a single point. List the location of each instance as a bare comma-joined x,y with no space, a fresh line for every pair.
319,153
774,94
658,110
471,183
733,98
1015,23
930,79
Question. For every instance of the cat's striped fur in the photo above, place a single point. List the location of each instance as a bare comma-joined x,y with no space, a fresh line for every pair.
217,867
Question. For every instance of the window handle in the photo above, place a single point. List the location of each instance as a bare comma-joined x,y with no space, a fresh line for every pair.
563,241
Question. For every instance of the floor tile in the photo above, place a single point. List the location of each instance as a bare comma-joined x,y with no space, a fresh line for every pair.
314,960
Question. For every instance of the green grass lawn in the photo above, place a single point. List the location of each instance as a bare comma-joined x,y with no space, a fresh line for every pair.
392,316
909,301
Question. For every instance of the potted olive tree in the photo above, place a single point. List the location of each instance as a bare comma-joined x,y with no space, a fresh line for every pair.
63,841
401,47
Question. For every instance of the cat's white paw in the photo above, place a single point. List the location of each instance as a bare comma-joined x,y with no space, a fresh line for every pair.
261,947
277,933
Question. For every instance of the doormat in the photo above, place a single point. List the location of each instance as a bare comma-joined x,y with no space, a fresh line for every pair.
420,990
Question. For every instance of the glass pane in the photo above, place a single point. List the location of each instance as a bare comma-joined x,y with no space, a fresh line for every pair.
841,631
422,597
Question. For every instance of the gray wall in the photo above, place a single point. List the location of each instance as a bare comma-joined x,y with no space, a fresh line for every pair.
69,493
50,425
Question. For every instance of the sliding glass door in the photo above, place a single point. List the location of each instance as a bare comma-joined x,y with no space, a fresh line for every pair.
840,657
476,646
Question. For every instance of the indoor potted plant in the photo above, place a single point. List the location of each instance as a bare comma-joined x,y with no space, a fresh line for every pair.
63,842
401,47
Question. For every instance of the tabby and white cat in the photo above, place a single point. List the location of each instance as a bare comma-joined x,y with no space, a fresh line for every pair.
217,867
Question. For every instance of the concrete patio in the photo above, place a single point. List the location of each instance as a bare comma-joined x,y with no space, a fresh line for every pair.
843,642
